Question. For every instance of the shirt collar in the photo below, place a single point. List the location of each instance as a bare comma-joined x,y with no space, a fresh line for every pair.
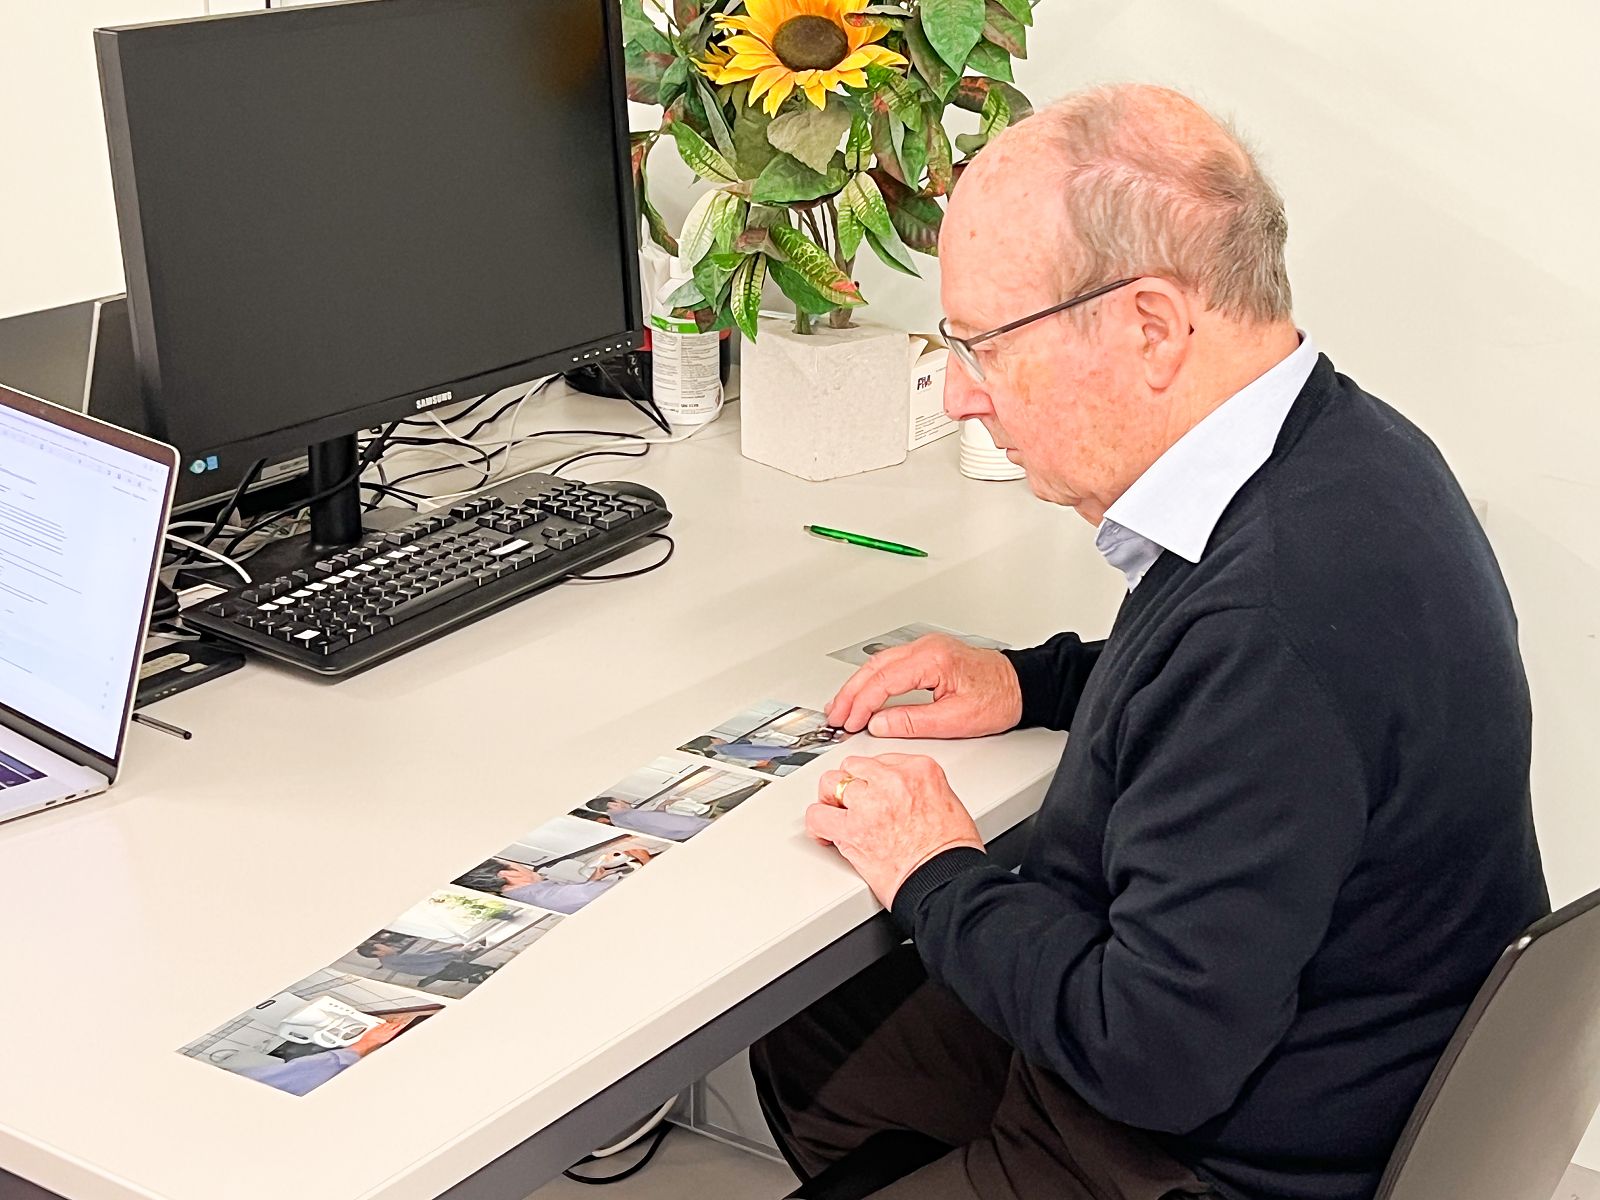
1176,504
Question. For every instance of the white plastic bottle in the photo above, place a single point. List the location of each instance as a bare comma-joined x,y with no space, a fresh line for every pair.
686,380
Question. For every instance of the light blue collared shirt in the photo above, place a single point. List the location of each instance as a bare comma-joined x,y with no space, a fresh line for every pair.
1176,504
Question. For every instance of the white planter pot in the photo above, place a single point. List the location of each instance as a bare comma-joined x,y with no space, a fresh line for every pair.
825,404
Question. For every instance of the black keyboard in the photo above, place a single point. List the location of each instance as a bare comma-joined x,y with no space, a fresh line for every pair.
437,571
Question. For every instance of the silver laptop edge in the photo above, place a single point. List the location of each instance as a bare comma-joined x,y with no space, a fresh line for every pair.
71,769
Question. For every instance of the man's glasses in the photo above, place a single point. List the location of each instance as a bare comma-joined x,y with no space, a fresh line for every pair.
963,347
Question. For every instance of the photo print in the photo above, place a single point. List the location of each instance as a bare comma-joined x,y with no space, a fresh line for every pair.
313,1031
564,864
450,943
771,737
670,799
859,652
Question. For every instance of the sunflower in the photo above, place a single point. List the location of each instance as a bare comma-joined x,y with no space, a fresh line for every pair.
805,44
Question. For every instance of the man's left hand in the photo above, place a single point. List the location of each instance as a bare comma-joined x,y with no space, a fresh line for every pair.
894,813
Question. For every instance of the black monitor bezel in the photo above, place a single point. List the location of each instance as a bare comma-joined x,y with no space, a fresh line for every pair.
108,47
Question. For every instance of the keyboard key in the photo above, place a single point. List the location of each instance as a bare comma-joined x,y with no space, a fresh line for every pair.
433,599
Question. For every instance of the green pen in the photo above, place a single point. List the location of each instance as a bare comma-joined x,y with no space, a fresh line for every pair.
861,539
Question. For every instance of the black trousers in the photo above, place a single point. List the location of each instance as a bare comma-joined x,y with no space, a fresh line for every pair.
893,1066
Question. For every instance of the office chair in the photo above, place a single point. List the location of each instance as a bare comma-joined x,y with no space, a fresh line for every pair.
1517,1085
1501,1114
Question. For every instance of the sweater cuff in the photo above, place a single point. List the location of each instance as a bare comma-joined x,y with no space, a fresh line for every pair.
1037,679
930,876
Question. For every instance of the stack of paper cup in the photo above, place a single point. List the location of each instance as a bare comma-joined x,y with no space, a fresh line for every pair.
981,458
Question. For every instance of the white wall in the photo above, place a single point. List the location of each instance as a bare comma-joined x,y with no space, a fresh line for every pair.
58,231
1439,165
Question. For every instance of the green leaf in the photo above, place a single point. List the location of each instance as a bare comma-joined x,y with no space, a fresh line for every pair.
752,150
645,70
867,205
709,224
900,94
785,180
745,297
894,253
914,156
851,232
865,201
687,295
973,91
953,28
811,134
659,233
674,80
970,143
765,216
712,277
716,119
639,30
700,156
816,267
805,297
858,147
988,59
884,145
916,218
697,234
940,177
1004,30
687,12
996,114
729,222
1022,10
757,241
936,73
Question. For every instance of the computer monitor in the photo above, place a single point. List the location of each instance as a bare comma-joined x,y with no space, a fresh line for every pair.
80,356
337,216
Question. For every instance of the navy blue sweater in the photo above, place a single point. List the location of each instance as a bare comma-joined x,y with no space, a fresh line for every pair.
1291,829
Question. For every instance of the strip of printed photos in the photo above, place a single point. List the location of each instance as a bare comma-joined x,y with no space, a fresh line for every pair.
441,949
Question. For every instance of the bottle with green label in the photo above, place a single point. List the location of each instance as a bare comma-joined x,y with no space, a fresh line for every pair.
686,381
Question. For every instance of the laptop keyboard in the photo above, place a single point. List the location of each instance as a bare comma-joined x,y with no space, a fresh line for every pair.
14,772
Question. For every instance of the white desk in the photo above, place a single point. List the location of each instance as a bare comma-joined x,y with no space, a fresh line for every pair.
304,814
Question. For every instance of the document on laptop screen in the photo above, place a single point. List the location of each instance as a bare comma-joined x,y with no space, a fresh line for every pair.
78,525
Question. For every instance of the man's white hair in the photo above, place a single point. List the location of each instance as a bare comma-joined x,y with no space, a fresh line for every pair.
1180,198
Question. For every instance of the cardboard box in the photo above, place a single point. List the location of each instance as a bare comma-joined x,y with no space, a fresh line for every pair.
926,421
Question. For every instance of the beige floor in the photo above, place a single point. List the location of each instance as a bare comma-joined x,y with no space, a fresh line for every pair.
689,1167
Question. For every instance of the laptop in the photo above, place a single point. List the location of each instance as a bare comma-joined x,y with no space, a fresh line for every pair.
83,509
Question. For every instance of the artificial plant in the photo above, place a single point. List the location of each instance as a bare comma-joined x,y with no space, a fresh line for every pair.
820,125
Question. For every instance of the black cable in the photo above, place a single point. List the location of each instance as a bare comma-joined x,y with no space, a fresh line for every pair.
672,548
658,1137
616,453
368,455
232,503
426,471
507,406
384,489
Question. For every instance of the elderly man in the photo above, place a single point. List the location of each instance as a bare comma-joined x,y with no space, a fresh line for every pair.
1291,829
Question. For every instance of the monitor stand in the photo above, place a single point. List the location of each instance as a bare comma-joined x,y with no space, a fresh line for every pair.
335,504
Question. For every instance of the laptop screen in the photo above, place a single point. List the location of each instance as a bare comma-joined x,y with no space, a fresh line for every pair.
82,508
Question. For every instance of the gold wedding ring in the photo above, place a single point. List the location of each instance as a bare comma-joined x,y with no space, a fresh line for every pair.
838,788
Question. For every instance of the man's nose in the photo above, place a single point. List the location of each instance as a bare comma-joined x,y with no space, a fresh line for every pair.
964,396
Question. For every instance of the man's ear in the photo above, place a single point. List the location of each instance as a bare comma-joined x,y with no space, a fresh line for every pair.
1166,325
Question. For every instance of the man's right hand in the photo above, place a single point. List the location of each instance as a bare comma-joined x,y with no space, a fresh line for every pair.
975,692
